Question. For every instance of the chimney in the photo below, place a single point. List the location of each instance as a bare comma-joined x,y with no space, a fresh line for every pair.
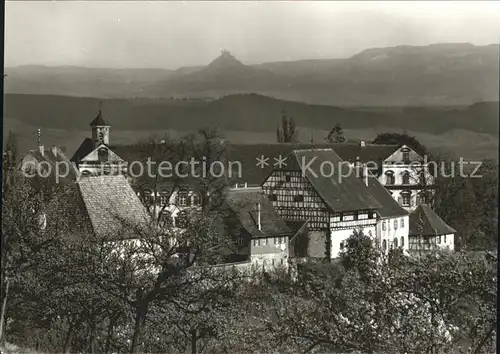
259,226
362,143
41,149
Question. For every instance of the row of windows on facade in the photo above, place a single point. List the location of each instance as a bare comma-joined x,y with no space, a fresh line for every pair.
390,178
264,241
182,199
274,262
428,240
395,222
394,243
405,199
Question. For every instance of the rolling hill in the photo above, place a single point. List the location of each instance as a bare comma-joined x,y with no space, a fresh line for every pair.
469,131
249,112
440,74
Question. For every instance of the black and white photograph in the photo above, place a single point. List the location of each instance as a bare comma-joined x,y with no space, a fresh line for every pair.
239,177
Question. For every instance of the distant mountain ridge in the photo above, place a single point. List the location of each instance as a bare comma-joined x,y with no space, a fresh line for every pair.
438,74
244,112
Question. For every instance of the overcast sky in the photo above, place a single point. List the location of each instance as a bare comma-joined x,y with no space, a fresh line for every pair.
174,34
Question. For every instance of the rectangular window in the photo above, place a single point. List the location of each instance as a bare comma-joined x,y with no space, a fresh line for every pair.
264,241
395,224
273,197
402,222
439,239
288,178
444,238
406,200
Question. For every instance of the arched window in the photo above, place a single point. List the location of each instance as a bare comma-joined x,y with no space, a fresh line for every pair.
395,243
421,178
406,177
402,241
384,245
389,178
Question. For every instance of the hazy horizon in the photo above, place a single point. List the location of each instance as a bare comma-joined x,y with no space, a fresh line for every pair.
170,35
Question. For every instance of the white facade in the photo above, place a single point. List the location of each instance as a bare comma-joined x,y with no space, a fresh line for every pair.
268,253
392,233
340,231
404,174
432,243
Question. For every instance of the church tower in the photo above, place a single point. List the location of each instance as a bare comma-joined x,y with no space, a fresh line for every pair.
100,130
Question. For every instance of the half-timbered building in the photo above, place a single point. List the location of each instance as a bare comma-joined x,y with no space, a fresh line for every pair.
327,195
428,232
260,235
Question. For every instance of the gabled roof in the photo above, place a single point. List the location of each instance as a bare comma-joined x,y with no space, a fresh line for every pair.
425,222
243,202
390,207
99,120
112,206
83,150
340,189
246,155
55,162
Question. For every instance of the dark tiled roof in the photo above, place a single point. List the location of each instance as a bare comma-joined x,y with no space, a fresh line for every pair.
425,222
390,207
342,191
53,159
85,148
246,155
243,202
99,120
112,206
253,175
